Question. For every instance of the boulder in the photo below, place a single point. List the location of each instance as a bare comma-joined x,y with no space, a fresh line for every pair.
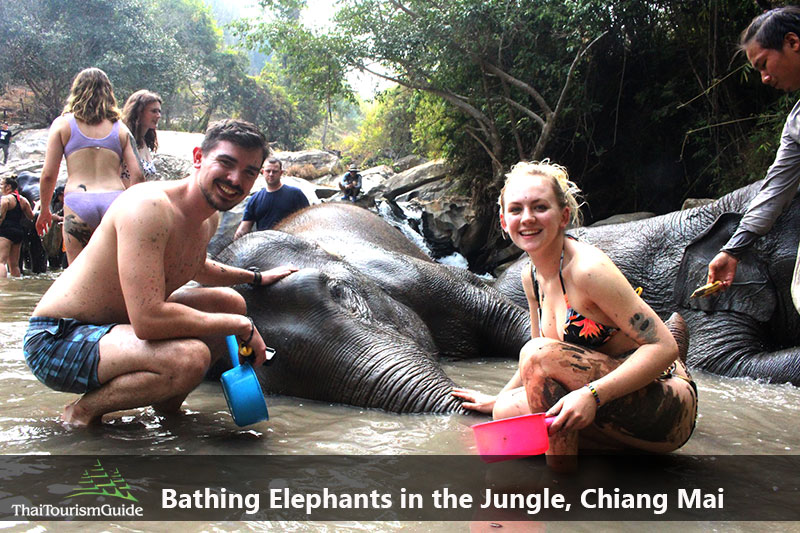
29,144
447,219
412,179
409,161
449,223
308,164
170,167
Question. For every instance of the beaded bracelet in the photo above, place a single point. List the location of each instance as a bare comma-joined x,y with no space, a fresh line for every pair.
594,393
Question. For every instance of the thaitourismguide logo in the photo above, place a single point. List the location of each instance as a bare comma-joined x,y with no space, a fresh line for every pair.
97,482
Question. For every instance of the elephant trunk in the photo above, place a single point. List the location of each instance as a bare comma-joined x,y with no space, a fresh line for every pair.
398,378
370,372
736,352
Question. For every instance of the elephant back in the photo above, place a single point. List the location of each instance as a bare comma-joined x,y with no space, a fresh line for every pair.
338,224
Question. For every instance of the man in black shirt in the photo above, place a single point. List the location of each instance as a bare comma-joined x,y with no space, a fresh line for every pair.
5,140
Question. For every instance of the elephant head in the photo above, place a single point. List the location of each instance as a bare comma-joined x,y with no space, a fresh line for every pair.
749,330
367,315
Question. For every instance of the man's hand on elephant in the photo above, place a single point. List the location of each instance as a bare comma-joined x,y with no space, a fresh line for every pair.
722,268
573,412
268,277
474,400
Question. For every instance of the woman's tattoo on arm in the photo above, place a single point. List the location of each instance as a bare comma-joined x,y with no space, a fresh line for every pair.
645,328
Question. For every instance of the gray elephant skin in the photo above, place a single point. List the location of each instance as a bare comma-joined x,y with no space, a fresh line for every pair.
368,315
750,330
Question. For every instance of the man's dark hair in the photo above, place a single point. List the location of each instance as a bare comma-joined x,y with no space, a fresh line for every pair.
238,132
769,28
275,161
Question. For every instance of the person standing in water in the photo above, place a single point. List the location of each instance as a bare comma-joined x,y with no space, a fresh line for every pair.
13,207
141,114
772,45
94,142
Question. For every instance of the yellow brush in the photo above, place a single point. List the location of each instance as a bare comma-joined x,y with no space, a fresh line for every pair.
707,290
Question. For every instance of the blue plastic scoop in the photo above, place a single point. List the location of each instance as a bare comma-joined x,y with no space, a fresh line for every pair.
242,390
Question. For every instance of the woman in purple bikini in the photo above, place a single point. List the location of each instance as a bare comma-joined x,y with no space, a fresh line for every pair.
95,142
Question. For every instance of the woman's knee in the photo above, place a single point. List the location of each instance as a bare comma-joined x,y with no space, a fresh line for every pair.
537,355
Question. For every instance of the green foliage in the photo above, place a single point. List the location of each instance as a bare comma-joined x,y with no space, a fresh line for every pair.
173,47
309,64
645,102
385,134
46,42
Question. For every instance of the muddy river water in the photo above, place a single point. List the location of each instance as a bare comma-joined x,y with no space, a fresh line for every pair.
737,417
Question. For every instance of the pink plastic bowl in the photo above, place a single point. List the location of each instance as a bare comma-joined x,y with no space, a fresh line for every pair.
510,438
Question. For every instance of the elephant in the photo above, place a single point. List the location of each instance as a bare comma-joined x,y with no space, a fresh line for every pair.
750,330
367,315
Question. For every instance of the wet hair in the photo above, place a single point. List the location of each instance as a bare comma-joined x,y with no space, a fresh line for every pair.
91,98
11,181
274,161
238,132
132,112
769,28
566,192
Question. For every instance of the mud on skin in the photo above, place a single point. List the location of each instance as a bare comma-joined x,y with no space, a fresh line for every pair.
77,229
654,413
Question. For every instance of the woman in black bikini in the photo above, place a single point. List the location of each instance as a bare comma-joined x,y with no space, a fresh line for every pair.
600,360
12,208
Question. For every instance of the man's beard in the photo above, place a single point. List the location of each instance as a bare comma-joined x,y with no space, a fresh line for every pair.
217,204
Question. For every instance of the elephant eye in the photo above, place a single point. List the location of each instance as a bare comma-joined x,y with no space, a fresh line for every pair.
349,299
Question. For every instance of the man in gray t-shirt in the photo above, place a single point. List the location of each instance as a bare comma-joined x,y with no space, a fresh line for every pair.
772,45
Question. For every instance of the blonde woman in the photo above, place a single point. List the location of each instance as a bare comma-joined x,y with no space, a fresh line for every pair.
95,142
600,360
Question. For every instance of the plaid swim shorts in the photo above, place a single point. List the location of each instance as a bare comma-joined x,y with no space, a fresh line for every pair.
63,353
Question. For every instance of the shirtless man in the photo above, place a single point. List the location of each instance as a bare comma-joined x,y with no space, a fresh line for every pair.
118,326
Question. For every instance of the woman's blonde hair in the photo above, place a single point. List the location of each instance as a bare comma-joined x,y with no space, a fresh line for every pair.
91,98
566,192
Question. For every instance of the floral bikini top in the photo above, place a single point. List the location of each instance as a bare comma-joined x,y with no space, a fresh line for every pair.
577,329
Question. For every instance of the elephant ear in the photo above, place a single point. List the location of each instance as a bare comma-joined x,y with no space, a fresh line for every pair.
752,292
